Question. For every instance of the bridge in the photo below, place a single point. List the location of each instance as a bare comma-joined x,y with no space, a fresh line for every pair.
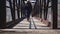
43,16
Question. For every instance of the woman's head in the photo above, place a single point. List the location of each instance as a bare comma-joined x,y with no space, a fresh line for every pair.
25,1
28,2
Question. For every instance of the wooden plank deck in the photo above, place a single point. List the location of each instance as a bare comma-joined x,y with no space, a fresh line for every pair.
33,23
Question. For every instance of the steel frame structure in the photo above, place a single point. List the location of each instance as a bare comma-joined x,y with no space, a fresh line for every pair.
54,10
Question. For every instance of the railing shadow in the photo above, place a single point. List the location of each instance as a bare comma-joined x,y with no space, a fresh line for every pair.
13,23
34,24
30,24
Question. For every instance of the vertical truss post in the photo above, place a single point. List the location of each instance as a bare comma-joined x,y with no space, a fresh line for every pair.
18,6
55,13
12,8
40,3
10,3
2,14
38,8
46,4
45,9
21,8
46,12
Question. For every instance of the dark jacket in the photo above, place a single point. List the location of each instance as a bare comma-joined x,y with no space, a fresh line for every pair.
23,7
28,7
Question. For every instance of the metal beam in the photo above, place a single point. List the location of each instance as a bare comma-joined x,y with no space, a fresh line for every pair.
21,8
44,9
12,8
46,12
18,7
55,13
46,5
40,6
2,14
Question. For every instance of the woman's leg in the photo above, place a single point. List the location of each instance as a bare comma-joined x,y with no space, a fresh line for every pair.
28,15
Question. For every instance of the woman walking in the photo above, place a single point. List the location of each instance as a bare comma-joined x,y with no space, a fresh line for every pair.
28,9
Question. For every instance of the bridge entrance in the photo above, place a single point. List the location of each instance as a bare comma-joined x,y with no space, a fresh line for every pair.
43,14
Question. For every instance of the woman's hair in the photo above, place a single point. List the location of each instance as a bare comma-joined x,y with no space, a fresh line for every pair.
28,2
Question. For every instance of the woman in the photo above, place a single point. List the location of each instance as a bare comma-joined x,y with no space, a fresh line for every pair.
28,9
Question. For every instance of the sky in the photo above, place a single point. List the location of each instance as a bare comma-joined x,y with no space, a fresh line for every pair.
58,1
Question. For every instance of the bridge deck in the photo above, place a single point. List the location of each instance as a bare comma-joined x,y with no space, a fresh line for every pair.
33,23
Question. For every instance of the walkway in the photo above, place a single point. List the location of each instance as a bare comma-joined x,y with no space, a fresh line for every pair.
32,24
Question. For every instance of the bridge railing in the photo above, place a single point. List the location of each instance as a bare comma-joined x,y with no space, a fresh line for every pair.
47,10
15,6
